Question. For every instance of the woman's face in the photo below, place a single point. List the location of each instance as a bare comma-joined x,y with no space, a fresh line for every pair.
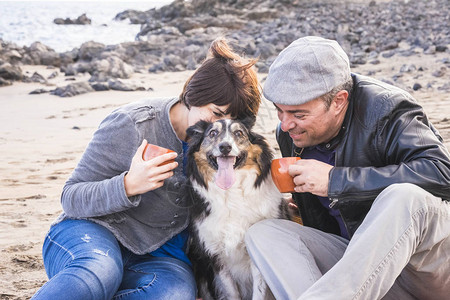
209,112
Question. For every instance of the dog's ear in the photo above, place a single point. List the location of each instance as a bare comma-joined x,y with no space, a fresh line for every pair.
195,134
265,158
197,129
249,122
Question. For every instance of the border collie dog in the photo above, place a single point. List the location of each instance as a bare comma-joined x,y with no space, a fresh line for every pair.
231,189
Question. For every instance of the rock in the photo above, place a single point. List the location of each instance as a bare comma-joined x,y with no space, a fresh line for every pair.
40,54
10,72
4,82
81,20
73,89
36,77
439,73
90,50
172,61
113,66
417,86
176,36
78,67
445,87
408,68
13,55
156,68
407,53
39,47
388,54
60,21
118,85
441,48
389,46
39,91
149,27
50,58
68,57
387,81
134,16
265,50
430,50
261,14
100,86
357,59
53,75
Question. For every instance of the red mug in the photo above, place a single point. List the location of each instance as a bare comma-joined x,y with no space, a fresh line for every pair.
152,151
280,173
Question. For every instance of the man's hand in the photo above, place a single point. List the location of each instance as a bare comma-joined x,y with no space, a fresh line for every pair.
311,176
145,176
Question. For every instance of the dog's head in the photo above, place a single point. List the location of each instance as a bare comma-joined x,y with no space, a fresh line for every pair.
218,150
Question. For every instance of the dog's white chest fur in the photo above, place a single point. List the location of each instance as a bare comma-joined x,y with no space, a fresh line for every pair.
232,212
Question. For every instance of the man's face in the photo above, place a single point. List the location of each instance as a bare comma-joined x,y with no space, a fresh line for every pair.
309,124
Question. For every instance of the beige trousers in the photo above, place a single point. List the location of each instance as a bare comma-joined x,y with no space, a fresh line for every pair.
401,251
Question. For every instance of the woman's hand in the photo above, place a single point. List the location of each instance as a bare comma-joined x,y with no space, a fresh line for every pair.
145,176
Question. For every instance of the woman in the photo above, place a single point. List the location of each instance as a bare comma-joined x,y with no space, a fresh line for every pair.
123,234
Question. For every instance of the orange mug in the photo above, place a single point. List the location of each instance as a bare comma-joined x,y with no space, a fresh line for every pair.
152,151
280,173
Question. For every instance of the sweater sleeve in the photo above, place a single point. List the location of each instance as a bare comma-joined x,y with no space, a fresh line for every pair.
96,186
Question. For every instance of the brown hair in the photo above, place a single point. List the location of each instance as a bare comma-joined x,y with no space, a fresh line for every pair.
224,78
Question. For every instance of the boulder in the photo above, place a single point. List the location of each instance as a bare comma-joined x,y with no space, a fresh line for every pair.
73,89
110,67
119,85
90,50
10,72
81,20
40,54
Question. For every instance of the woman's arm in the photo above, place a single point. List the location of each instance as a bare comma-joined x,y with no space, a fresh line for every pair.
96,187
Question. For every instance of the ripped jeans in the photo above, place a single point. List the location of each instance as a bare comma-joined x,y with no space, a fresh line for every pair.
83,260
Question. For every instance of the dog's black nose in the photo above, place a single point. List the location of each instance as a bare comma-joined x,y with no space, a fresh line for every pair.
225,148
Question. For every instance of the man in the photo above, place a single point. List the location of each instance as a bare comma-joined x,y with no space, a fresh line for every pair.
372,186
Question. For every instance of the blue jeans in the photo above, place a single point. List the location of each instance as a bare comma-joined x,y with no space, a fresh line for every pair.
83,260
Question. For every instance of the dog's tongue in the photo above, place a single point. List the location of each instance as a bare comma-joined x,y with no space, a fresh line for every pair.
225,175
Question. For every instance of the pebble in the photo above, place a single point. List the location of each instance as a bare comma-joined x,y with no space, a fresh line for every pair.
176,37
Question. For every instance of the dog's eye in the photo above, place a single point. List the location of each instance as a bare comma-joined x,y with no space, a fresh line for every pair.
238,133
212,133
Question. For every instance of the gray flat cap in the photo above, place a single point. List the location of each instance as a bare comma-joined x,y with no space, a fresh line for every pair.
307,69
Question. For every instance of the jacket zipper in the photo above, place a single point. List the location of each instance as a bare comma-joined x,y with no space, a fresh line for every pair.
333,203
335,200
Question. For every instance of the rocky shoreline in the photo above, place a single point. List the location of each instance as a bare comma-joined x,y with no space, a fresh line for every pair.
176,38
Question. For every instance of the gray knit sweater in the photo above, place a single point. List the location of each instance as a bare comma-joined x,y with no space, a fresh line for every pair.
96,191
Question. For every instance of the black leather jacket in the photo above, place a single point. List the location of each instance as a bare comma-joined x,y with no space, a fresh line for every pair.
386,138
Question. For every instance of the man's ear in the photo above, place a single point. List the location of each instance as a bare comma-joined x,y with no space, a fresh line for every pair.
340,101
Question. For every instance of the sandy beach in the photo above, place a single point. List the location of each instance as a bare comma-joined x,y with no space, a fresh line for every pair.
43,137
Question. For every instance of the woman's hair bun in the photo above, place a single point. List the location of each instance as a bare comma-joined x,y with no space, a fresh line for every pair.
221,49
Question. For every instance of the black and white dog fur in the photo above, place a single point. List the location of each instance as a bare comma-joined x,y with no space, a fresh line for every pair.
231,189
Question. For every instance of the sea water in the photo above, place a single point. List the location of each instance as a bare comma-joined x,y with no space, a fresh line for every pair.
24,22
